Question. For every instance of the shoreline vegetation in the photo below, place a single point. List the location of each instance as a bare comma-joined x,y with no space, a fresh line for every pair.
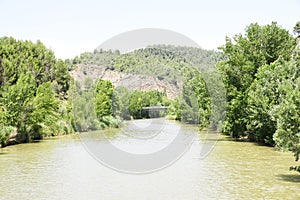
259,86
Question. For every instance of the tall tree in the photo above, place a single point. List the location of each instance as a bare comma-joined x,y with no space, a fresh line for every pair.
31,79
287,113
264,95
245,54
103,98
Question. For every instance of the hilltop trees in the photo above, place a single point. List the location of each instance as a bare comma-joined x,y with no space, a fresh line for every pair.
98,57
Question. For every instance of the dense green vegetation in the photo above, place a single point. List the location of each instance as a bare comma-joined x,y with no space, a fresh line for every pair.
100,105
130,104
167,62
93,105
98,57
153,62
202,60
33,92
83,111
261,45
261,75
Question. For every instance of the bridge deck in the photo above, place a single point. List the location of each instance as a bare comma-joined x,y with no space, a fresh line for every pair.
155,108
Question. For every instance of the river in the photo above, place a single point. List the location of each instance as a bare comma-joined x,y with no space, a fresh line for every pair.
65,168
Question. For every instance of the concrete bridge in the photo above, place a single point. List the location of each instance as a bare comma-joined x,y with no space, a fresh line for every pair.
155,108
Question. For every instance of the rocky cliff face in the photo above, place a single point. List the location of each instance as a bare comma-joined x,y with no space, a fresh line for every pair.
129,81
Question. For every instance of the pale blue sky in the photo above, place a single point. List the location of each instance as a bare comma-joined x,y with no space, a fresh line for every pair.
70,27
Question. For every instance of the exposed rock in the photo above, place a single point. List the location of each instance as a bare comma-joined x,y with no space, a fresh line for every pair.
129,81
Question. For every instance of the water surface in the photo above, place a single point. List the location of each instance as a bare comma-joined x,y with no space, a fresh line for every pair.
62,168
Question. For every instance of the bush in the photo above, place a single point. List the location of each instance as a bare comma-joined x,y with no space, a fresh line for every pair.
111,122
5,132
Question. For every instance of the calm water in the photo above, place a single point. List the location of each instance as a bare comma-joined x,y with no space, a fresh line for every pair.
62,168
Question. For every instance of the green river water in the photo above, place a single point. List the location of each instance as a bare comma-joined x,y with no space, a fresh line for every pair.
62,168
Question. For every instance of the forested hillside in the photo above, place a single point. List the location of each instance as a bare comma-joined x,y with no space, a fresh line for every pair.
175,66
201,59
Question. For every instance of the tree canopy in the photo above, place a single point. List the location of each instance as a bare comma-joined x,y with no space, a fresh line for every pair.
245,54
34,90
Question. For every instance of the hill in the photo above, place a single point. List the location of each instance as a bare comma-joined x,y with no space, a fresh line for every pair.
178,72
160,65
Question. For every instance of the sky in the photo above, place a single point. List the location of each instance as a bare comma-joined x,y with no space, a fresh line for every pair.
70,27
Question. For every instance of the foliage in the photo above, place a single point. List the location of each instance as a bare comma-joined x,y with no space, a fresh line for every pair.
34,87
93,105
61,79
202,60
103,98
83,108
5,132
121,103
140,99
195,102
264,95
152,61
287,113
261,45
111,122
28,111
98,57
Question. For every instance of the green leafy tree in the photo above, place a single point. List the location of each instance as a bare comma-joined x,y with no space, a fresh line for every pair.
18,105
265,94
136,104
103,98
287,112
121,103
28,108
288,120
45,111
196,102
61,76
140,99
31,80
5,132
83,109
245,54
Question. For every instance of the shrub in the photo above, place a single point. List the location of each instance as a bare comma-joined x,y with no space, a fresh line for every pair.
5,132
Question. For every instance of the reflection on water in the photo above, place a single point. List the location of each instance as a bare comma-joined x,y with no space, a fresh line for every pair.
61,168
